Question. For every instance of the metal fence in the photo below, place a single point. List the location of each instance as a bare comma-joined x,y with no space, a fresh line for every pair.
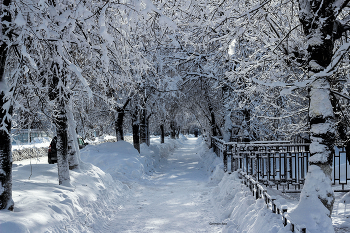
279,164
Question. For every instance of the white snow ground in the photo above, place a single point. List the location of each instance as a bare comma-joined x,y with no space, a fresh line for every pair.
178,186
176,198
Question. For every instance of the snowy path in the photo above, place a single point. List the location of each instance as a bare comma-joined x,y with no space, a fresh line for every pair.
178,199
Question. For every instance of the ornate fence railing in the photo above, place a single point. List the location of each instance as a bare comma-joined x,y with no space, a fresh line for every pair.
279,164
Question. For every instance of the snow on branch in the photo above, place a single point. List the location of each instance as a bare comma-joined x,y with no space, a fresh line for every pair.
337,57
331,68
75,69
247,13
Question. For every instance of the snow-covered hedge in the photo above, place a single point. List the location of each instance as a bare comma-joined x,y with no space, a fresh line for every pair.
26,153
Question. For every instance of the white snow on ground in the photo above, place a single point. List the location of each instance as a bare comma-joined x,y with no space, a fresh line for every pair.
175,199
178,186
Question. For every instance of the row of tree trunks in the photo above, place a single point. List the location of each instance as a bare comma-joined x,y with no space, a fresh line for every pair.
6,201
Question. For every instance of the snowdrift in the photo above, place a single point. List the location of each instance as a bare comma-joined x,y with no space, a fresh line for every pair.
41,205
233,201
97,189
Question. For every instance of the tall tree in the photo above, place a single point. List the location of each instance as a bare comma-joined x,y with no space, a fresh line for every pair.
6,201
322,29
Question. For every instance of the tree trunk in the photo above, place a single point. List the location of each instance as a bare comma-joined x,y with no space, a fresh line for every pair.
178,132
62,144
148,131
173,130
246,126
162,134
120,121
57,93
227,135
212,122
119,124
73,146
6,201
318,19
143,126
135,131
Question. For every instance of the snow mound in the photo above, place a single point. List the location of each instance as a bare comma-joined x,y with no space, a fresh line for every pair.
235,205
101,139
154,155
120,159
211,163
41,205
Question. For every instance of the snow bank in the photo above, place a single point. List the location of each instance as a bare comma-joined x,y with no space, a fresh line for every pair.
236,206
98,189
211,163
120,159
41,205
234,203
101,139
152,156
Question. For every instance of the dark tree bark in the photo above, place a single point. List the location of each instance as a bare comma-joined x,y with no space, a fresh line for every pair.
173,130
135,131
119,124
212,124
148,131
120,121
162,134
246,114
143,126
6,201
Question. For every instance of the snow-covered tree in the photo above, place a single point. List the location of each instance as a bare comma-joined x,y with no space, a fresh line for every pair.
6,201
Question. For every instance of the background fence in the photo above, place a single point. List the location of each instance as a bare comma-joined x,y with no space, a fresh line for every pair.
26,153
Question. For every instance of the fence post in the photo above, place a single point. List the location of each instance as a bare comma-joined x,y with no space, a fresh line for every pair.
225,158
292,227
284,210
232,159
273,206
